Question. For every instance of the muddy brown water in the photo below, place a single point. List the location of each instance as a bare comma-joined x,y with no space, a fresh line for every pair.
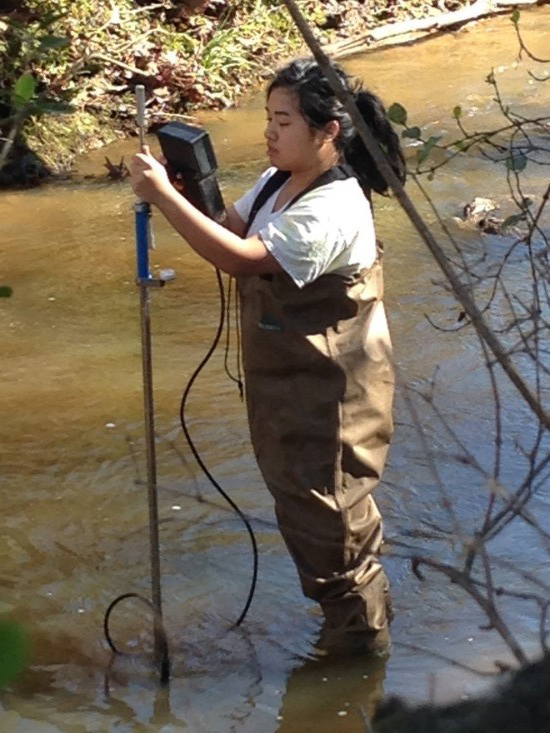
72,450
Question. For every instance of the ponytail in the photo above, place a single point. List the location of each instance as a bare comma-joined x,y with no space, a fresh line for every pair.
356,155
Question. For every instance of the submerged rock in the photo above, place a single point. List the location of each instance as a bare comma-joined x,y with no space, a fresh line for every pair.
479,212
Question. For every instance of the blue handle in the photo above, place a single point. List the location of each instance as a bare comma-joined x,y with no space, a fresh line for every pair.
143,215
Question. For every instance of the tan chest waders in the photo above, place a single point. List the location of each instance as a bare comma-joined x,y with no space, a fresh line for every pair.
319,391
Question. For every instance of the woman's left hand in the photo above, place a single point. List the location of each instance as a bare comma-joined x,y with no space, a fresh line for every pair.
148,177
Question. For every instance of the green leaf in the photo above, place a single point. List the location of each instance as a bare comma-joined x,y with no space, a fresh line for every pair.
23,90
5,291
425,151
51,17
397,114
510,221
422,154
413,132
48,42
457,112
516,162
13,651
526,203
515,16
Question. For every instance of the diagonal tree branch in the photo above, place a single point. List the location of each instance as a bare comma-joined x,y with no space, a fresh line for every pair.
459,290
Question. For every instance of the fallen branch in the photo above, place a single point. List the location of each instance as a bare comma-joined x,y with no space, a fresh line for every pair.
7,142
408,30
109,60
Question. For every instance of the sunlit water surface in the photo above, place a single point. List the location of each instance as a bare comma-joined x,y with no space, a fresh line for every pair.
72,452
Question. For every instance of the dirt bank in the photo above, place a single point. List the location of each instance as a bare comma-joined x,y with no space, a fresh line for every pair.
90,55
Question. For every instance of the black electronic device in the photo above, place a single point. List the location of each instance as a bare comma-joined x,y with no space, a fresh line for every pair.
191,159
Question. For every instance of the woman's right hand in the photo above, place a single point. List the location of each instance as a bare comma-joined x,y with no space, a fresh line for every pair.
148,177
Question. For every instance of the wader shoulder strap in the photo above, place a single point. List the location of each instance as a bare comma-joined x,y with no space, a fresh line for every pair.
272,185
337,173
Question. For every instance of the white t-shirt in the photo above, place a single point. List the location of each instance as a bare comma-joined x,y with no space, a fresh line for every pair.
329,229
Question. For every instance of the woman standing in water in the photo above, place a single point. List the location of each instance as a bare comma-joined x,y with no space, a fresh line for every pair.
316,348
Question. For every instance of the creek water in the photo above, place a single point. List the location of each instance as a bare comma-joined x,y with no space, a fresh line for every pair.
72,492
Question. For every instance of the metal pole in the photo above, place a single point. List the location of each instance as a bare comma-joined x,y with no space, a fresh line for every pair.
145,281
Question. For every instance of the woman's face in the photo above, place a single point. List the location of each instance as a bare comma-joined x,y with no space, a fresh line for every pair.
292,145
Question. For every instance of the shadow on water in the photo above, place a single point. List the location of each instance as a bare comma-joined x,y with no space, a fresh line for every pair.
72,453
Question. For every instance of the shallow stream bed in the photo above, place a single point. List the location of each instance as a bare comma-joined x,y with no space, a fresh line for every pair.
72,489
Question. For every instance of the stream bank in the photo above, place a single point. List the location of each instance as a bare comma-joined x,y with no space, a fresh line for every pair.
89,56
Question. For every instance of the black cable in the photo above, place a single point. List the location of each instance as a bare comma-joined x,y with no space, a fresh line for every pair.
165,661
165,658
201,462
238,333
238,379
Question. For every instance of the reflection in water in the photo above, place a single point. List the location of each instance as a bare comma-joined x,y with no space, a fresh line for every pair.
324,696
73,502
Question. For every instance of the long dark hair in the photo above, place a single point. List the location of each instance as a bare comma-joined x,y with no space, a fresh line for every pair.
319,105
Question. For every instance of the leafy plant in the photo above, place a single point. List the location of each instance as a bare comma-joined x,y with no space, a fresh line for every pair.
25,48
14,651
